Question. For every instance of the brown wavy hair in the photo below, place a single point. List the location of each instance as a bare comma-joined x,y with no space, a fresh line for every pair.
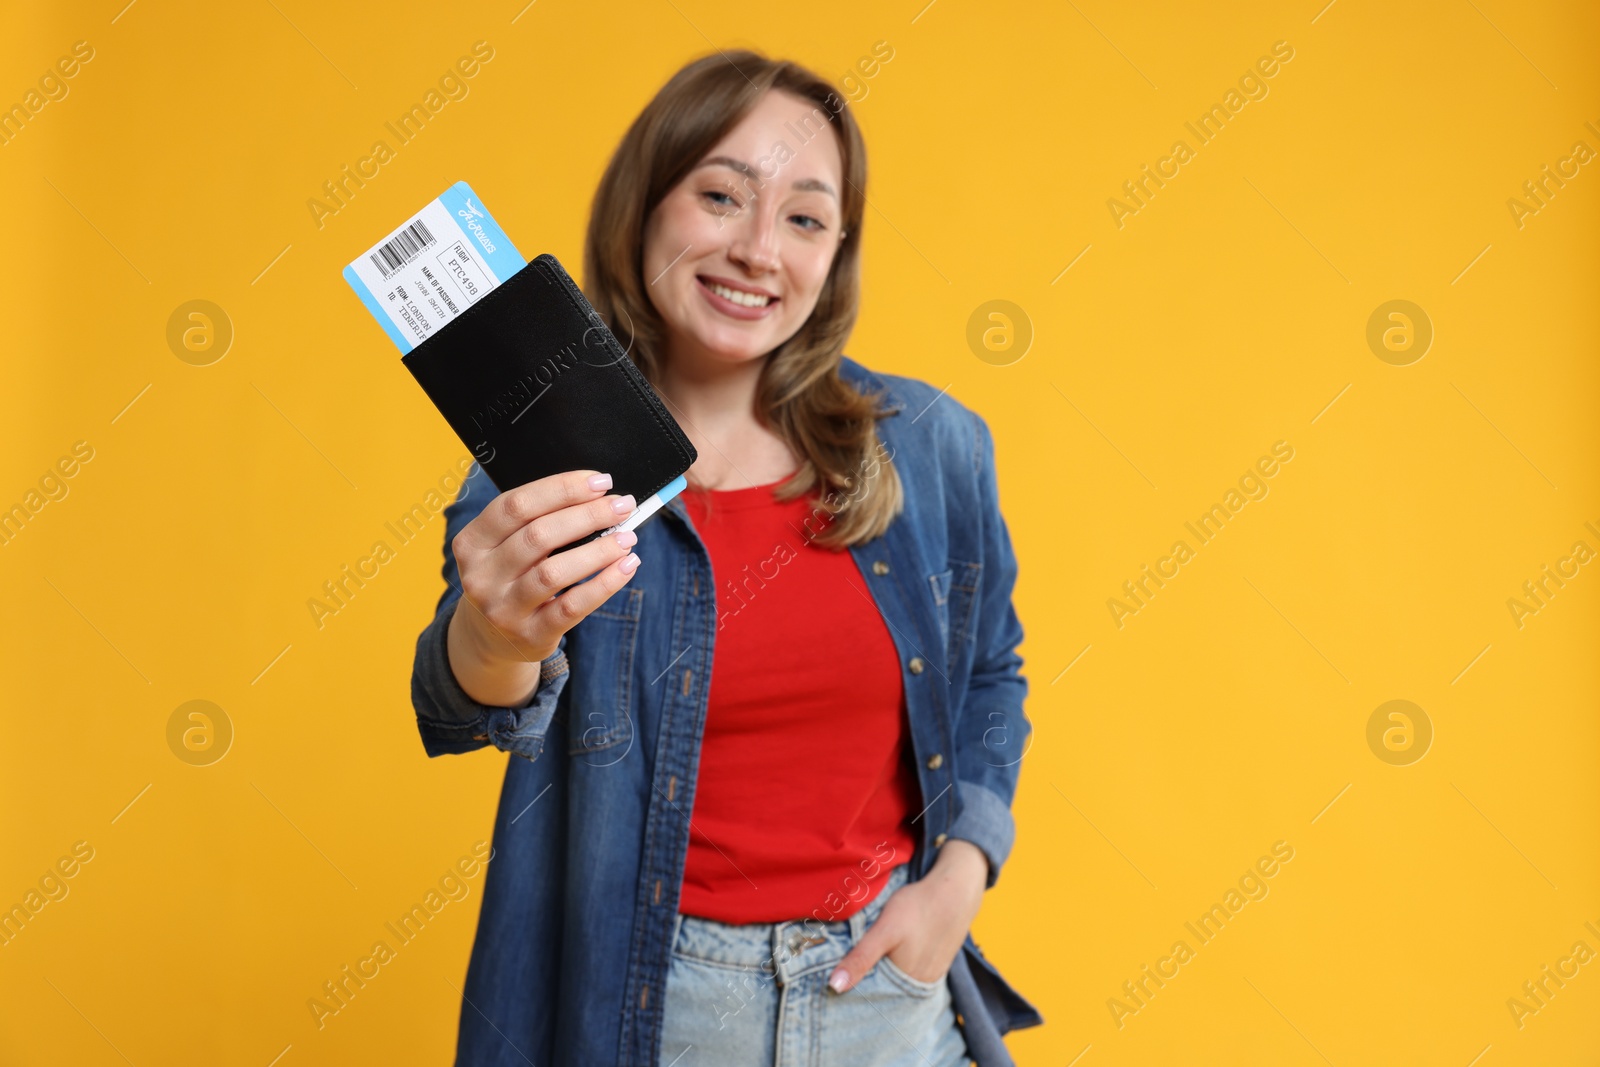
800,396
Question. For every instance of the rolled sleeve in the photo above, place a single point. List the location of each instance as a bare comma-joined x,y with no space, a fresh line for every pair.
986,822
451,722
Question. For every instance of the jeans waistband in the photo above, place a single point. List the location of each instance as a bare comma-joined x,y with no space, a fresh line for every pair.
779,947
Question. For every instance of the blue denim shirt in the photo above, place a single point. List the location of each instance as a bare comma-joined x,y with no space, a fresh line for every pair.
574,937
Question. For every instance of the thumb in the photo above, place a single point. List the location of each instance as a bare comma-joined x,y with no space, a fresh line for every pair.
859,961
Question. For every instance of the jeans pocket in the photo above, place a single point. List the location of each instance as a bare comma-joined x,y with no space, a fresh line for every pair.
914,986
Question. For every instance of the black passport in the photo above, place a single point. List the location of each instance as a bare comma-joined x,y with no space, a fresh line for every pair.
534,383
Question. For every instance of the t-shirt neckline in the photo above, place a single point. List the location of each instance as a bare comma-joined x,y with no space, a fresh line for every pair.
750,496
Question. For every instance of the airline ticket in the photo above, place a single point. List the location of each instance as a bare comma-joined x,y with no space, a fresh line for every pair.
435,266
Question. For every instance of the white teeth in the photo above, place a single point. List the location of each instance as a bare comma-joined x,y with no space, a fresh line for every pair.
749,300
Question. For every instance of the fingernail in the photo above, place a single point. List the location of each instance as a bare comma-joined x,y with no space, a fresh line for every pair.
629,562
838,980
622,504
626,538
598,482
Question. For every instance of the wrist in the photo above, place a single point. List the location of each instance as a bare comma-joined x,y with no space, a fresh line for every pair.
485,676
963,860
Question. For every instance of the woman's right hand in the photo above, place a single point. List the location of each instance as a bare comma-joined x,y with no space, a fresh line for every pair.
510,618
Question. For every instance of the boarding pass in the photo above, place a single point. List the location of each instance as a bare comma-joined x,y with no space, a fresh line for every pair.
444,259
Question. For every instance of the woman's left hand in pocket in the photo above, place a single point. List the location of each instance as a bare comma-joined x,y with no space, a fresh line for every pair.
924,923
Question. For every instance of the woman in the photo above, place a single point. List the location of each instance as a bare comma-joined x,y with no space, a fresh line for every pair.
771,741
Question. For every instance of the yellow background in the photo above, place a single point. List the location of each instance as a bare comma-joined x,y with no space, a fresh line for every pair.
1223,317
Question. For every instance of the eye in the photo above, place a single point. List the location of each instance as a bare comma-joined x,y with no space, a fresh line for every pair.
714,193
815,223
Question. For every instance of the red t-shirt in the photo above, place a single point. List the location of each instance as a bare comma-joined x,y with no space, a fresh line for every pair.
806,783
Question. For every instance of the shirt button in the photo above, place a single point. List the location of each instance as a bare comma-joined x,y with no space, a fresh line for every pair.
939,841
880,568
915,664
935,761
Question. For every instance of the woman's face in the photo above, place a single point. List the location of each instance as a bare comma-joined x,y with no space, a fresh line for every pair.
759,216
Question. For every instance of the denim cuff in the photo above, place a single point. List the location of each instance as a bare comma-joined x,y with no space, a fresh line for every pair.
452,722
986,821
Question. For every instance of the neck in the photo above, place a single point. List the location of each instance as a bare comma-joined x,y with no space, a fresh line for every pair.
714,400
714,395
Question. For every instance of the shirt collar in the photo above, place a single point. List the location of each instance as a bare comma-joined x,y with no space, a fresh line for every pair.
868,382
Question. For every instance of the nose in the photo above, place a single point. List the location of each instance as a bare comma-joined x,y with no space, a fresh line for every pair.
754,244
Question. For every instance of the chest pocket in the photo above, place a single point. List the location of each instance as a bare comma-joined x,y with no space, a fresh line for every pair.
955,591
602,701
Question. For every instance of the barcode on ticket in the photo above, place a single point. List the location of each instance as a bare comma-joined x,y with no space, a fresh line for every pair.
406,246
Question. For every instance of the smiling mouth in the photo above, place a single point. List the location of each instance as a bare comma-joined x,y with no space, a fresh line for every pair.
737,296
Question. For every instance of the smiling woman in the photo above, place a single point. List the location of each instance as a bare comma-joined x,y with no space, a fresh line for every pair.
789,240
779,645
746,252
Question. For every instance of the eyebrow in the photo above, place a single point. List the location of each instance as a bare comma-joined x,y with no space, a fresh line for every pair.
748,171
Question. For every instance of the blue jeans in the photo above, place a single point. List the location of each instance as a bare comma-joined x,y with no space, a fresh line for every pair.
757,994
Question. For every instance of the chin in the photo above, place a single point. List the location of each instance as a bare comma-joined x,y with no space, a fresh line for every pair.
738,353
737,346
